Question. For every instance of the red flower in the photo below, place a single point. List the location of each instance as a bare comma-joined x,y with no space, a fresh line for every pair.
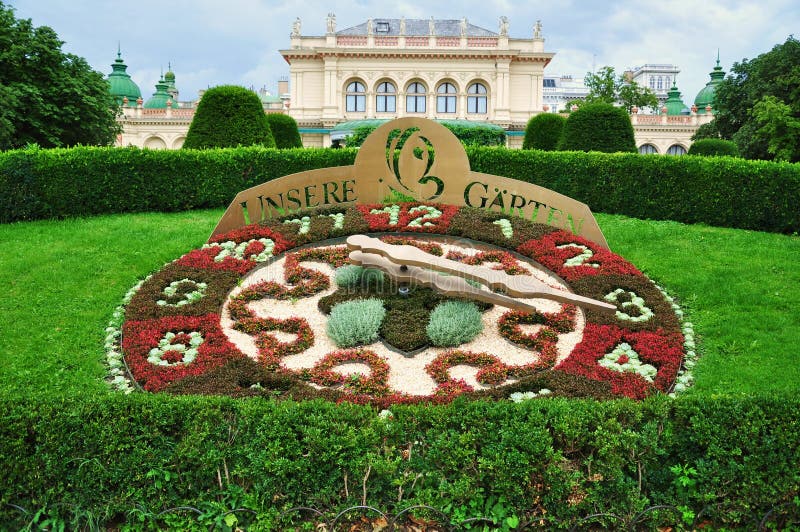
660,349
374,384
414,217
206,257
555,249
139,337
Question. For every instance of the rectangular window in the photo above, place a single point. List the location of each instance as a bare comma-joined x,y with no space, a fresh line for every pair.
385,104
445,104
415,104
356,103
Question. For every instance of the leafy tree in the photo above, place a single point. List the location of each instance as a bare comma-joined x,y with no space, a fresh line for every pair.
714,147
632,95
543,132
598,127
607,87
229,116
284,131
49,97
772,79
780,126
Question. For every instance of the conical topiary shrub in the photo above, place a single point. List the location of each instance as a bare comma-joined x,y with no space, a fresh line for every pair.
229,116
284,131
543,132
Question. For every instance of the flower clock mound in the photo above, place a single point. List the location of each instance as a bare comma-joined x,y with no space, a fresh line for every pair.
252,312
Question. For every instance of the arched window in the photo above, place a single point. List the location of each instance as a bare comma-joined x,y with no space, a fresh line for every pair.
676,149
385,101
476,98
355,98
446,99
644,149
415,98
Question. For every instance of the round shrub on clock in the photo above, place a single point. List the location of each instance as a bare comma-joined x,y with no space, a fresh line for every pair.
276,309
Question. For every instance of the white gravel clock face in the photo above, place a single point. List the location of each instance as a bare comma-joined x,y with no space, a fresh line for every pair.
277,309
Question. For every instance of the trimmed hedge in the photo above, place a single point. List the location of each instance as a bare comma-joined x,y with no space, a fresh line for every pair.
543,132
469,133
284,131
598,127
714,147
728,192
110,459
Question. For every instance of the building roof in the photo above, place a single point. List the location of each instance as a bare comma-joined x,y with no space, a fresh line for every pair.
159,98
121,84
674,104
706,95
416,27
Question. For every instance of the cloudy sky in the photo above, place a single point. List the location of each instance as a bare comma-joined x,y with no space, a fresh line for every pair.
237,41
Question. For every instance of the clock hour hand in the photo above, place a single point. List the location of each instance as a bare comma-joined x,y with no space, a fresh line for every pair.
517,286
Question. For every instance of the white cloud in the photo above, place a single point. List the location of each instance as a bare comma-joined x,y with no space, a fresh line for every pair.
211,43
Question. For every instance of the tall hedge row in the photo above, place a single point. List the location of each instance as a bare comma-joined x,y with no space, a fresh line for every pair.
720,191
115,458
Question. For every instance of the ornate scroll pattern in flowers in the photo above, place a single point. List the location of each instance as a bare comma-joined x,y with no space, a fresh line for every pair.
412,166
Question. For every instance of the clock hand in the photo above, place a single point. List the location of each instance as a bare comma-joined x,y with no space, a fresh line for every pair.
513,285
445,284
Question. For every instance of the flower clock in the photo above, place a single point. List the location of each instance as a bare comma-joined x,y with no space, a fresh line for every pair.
278,308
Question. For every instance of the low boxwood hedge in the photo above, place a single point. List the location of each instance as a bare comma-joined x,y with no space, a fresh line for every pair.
114,458
727,192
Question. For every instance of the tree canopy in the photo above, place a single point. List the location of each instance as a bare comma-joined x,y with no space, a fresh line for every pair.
758,104
49,97
606,87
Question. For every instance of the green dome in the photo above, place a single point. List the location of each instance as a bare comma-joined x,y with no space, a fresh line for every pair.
159,98
169,79
706,95
122,85
674,104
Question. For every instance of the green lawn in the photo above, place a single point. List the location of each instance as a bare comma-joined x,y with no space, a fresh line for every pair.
62,280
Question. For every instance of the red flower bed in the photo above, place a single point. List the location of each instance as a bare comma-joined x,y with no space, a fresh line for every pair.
139,337
491,372
410,217
659,349
374,384
554,250
428,247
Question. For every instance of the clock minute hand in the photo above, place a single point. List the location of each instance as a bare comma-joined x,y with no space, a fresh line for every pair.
513,285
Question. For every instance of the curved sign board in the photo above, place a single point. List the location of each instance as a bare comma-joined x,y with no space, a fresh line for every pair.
413,159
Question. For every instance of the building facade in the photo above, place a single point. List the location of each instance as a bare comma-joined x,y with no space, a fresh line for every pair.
438,69
390,68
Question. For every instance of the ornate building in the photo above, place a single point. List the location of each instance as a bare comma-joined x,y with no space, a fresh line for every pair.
388,68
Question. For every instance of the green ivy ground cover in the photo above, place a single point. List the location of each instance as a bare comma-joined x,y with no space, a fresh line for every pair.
64,279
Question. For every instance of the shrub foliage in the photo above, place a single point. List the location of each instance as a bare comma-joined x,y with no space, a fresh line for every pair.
356,322
229,116
453,323
598,127
714,147
543,132
727,192
114,458
284,131
470,134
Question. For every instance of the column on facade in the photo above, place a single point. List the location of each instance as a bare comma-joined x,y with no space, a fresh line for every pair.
502,106
331,95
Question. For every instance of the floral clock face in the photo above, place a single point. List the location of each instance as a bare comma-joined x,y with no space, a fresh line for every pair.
277,309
